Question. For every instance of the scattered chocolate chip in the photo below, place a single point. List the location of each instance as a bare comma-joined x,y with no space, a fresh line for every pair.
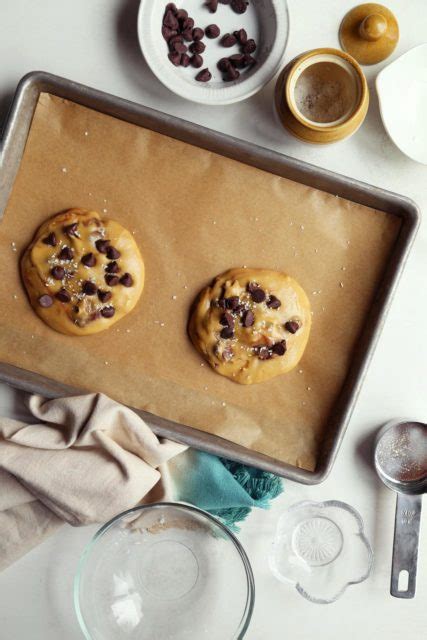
237,60
222,303
185,60
57,272
188,23
249,60
180,47
251,286
181,14
212,31
248,319
89,260
174,39
224,1
196,61
239,309
89,288
227,333
292,326
224,64
197,47
273,302
113,253
249,46
228,40
102,245
232,73
66,254
188,35
50,240
112,267
45,301
258,295
279,348
227,320
168,33
241,36
108,312
170,20
212,5
263,353
232,302
198,34
239,6
111,280
126,280
175,58
72,230
63,296
171,6
204,75
104,296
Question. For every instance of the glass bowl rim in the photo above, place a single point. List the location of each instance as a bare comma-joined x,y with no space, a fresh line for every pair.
250,582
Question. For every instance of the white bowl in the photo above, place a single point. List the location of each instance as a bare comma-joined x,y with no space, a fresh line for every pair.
402,92
266,21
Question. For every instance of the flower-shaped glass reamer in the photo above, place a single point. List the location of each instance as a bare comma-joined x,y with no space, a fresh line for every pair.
321,548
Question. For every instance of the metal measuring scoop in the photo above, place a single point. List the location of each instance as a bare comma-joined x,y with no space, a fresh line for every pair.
401,463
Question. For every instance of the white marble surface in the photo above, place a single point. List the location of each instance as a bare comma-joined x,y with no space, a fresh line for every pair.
94,42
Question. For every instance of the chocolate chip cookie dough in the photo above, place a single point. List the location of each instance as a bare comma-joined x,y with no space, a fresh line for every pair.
251,324
82,273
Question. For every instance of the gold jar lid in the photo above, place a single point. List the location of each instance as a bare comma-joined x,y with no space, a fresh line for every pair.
369,33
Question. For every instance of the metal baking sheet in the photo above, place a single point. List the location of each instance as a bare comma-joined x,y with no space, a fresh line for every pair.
12,147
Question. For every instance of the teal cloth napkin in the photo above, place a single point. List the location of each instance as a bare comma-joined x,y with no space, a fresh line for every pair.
226,489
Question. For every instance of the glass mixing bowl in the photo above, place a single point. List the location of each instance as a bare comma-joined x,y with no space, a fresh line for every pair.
164,571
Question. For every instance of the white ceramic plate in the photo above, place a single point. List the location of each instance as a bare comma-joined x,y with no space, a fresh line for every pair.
266,21
402,91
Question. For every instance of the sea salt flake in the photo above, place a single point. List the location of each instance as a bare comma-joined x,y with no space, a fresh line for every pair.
342,285
64,169
173,297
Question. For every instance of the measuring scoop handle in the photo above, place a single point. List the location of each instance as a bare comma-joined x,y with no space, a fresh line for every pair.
405,545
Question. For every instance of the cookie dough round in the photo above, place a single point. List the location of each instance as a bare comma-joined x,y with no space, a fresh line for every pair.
251,324
82,272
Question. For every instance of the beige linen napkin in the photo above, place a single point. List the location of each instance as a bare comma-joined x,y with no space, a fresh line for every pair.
82,461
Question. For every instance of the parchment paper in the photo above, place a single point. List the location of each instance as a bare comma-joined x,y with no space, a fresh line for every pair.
194,215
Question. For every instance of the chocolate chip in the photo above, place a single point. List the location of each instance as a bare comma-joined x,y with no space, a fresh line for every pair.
263,353
279,348
212,31
237,60
168,33
196,61
104,296
174,39
251,286
227,333
170,20
228,40
197,47
185,60
181,14
111,280
224,64
175,58
232,302
249,46
188,23
113,253
45,301
241,36
248,319
258,295
249,60
222,303
232,73
273,302
102,245
188,35
239,6
57,272
112,267
89,288
224,1
198,34
89,260
108,312
292,326
180,47
204,75
227,320
212,5
171,6
126,280
72,230
63,296
50,239
66,254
